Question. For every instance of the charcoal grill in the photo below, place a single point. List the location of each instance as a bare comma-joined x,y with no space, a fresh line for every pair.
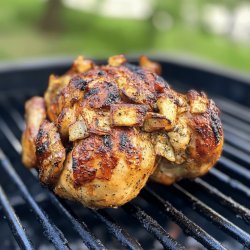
209,212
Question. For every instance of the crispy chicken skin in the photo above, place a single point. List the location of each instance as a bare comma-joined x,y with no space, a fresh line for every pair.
50,153
109,128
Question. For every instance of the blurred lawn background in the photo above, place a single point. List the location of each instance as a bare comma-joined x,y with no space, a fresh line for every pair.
216,31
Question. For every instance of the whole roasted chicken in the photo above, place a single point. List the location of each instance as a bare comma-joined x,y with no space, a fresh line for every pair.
100,132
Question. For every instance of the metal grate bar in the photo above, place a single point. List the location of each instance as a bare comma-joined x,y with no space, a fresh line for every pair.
15,115
80,227
243,136
236,123
14,223
234,109
152,226
229,181
243,157
190,228
239,210
10,136
234,140
120,233
216,218
50,230
235,168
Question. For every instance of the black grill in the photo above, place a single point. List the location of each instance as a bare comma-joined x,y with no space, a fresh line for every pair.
210,212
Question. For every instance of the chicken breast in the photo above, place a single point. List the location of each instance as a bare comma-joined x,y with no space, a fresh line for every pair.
111,127
109,170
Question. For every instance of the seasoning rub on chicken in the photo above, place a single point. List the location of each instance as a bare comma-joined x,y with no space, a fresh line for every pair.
100,132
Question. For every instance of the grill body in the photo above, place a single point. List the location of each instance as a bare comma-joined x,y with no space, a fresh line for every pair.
210,212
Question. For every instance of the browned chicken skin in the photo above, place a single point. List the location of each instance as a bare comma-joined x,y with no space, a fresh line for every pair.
194,144
109,128
35,113
50,153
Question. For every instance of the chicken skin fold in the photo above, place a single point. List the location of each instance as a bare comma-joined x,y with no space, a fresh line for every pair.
101,132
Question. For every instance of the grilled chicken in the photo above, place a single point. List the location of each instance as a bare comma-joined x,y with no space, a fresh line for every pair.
109,128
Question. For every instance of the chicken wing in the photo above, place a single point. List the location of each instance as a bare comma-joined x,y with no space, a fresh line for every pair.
50,153
35,114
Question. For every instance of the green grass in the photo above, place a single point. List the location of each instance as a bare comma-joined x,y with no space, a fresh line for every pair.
212,48
21,36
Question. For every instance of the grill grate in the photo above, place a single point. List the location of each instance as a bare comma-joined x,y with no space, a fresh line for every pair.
212,210
14,222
